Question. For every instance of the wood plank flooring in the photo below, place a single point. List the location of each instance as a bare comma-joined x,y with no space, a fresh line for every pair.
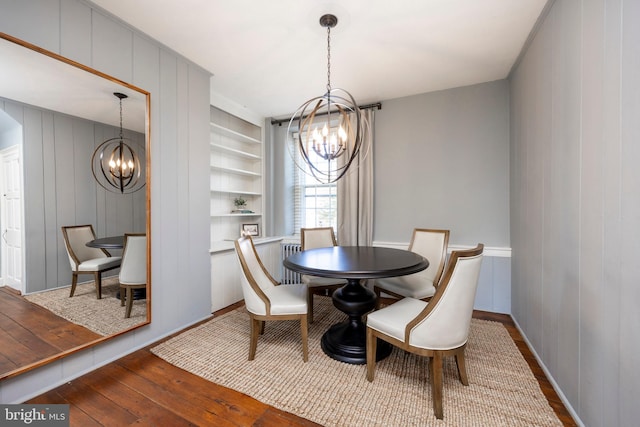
143,389
30,333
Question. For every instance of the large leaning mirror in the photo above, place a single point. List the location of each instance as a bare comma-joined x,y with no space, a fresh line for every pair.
54,113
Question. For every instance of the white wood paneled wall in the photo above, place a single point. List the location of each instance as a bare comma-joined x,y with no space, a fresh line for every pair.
575,210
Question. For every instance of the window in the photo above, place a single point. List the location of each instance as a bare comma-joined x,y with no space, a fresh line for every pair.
315,204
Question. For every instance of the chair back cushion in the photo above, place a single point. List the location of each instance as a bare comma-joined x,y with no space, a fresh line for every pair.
76,238
133,270
257,283
321,237
431,244
446,326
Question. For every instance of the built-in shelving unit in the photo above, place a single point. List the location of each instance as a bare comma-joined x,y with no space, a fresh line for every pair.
236,171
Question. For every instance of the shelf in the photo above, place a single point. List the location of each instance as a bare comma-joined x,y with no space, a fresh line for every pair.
232,133
230,215
234,152
236,159
227,244
239,192
236,171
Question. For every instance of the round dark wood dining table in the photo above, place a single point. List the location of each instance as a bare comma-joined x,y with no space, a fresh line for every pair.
346,341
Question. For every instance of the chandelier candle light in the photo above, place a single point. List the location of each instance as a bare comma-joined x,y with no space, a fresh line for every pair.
327,149
115,164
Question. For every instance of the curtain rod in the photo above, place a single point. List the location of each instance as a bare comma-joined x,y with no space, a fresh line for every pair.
376,105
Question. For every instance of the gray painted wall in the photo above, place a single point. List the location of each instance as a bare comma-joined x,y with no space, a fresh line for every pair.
442,161
575,210
181,282
10,130
59,190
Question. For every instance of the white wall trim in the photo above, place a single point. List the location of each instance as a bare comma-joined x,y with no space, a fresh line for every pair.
488,251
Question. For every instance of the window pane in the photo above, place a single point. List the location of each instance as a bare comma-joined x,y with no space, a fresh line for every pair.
315,203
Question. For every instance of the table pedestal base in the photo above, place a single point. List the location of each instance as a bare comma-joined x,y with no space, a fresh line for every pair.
346,341
138,294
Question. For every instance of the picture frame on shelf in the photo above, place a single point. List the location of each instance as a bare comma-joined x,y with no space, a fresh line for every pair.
250,230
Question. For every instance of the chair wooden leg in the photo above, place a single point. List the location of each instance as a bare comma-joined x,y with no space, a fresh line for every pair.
376,290
372,343
262,326
435,368
97,277
310,305
462,369
253,344
304,331
74,282
129,302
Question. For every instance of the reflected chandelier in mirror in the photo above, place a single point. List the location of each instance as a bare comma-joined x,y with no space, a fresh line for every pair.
116,163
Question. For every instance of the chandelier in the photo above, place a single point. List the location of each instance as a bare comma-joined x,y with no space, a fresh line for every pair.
330,128
115,164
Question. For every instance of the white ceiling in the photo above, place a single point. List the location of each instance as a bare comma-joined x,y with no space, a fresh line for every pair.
271,56
32,78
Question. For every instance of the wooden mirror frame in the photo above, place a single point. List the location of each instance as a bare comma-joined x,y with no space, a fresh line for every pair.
147,129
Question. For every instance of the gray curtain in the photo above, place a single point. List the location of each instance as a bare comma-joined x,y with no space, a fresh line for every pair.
355,193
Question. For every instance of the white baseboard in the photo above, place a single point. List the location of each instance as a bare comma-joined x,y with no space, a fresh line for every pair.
553,382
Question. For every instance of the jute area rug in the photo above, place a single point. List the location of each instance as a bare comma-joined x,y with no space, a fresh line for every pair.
502,389
103,316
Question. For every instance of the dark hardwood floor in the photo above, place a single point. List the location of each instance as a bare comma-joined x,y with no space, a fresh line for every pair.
30,333
143,389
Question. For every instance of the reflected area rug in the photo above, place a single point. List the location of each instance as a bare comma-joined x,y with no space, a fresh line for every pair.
502,390
103,316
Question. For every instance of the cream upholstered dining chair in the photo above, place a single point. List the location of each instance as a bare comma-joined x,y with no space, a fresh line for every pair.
86,260
266,299
319,237
431,244
435,329
133,270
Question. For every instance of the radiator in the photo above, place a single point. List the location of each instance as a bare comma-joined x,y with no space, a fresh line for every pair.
289,277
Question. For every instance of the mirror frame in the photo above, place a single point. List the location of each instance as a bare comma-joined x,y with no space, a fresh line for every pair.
147,128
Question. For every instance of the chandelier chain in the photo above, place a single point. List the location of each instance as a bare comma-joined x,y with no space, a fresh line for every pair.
121,134
328,58
318,144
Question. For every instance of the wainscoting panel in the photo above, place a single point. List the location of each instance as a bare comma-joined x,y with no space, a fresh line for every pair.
494,285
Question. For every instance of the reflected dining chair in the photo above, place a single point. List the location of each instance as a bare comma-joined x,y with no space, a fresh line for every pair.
86,260
312,238
435,329
266,299
133,271
431,244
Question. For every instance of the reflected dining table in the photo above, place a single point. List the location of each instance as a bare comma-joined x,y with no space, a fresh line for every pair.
111,242
346,341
